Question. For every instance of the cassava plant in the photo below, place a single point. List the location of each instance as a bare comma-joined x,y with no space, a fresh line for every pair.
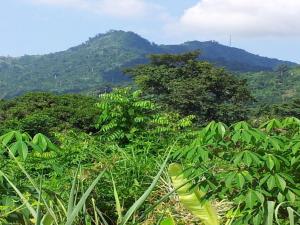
252,167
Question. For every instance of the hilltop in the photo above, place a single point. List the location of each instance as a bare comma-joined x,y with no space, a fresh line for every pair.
98,63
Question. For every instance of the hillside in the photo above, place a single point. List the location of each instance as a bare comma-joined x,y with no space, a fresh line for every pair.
98,63
270,87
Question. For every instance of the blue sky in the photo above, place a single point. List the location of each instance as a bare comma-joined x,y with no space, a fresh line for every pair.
269,27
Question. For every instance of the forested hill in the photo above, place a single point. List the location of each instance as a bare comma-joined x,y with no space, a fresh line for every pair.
271,87
98,63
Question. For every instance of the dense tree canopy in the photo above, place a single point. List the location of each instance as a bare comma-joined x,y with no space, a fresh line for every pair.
45,112
192,87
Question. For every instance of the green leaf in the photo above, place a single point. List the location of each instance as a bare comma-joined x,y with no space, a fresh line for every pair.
247,158
229,179
291,196
191,198
296,147
257,220
23,150
40,140
280,182
168,221
17,147
246,136
240,180
251,199
280,197
271,183
6,138
221,129
238,158
260,196
270,162
47,219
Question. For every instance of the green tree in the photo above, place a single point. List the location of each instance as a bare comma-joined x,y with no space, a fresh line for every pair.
184,84
282,70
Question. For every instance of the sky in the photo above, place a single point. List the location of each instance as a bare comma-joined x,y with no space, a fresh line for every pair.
264,27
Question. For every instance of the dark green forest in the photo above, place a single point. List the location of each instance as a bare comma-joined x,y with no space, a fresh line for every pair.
184,142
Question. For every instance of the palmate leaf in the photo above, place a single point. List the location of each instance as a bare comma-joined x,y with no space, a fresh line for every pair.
191,198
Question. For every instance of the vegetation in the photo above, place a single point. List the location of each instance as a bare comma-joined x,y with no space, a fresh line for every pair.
190,87
96,65
274,87
45,113
151,155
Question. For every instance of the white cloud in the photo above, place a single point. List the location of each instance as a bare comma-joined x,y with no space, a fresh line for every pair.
114,8
257,18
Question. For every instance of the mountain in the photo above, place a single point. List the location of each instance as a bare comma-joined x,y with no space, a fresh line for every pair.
98,63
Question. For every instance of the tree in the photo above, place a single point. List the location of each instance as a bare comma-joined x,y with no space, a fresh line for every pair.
182,83
282,70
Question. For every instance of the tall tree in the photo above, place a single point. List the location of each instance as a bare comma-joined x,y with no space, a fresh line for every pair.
282,71
183,83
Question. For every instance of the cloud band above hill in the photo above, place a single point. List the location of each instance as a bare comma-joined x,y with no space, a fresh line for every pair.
242,17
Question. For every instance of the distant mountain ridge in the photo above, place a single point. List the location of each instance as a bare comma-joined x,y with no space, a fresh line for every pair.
99,61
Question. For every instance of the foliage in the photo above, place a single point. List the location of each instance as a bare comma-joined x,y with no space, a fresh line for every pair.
288,109
249,166
190,87
44,113
191,197
274,87
52,210
256,170
97,64
125,115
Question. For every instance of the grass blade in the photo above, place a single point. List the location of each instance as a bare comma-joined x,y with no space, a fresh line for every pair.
72,195
102,217
142,199
95,212
117,200
82,201
24,200
38,210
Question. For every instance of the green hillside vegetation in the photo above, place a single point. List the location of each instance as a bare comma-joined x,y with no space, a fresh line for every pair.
46,113
183,84
274,87
98,63
148,155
